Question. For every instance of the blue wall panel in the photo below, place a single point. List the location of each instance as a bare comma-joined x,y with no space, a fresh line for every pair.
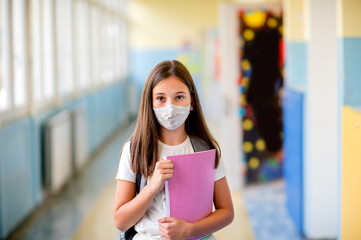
296,61
16,190
352,70
120,98
92,116
293,155
142,61
106,110
21,162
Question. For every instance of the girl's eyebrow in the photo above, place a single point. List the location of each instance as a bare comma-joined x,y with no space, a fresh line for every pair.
160,93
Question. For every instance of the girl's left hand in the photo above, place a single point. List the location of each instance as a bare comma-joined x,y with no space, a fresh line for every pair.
172,228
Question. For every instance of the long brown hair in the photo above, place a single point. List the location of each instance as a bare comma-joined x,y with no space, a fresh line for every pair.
144,147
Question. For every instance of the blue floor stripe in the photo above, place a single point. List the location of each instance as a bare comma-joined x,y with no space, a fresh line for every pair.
266,208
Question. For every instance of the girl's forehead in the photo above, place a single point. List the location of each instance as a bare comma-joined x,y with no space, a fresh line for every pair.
170,84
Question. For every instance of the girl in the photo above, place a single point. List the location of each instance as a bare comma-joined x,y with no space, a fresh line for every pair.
169,114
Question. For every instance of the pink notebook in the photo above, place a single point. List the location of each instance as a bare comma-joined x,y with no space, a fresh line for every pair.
189,194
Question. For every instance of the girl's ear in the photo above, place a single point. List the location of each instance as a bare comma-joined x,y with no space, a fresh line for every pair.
192,104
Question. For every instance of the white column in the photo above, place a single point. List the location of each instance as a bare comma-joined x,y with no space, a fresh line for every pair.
322,148
230,126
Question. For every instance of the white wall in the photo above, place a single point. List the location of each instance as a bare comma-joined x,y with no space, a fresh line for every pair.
230,130
322,122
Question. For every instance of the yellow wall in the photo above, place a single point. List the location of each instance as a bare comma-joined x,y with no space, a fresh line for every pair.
350,17
351,175
170,23
294,20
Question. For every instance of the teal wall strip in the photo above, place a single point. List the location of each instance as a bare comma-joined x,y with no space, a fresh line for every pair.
296,65
352,70
15,173
142,61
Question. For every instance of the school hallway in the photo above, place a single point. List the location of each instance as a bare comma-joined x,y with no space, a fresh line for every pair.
278,83
84,208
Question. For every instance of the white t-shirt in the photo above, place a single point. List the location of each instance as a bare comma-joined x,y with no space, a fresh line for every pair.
147,227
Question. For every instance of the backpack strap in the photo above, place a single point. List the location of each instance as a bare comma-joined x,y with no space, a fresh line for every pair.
198,144
138,179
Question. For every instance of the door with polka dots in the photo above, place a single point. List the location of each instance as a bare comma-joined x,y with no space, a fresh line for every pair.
260,84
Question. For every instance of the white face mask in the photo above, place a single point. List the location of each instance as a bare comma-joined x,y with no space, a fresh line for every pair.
172,116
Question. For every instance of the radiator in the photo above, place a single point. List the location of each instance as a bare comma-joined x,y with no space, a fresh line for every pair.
79,137
58,152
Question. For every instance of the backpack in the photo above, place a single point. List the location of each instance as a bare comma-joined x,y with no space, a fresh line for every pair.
198,145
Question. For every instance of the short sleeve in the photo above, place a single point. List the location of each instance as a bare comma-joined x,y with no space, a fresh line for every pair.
220,171
124,170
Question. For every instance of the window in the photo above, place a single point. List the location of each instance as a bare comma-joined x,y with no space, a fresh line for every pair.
73,45
123,48
117,50
106,47
19,52
38,93
123,41
4,57
95,45
64,46
82,44
109,42
48,49
113,33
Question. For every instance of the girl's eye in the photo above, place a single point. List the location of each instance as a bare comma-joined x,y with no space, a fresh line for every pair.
160,98
180,97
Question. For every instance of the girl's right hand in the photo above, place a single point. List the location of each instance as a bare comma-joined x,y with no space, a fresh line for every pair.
163,171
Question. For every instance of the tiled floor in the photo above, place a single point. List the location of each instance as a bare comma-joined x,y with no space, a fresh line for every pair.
265,204
98,222
84,209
